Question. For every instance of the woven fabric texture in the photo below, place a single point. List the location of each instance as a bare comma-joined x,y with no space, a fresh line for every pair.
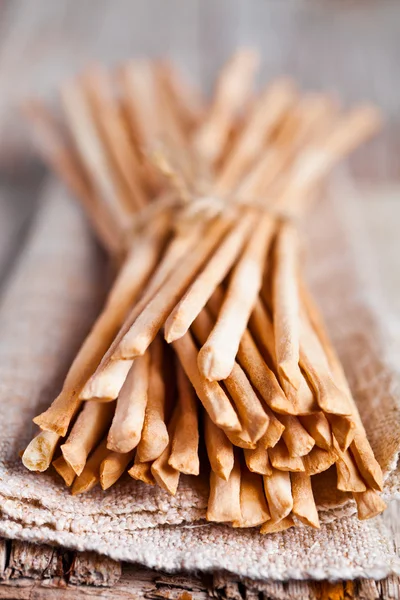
51,299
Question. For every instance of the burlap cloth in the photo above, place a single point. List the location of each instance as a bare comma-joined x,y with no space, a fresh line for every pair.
48,306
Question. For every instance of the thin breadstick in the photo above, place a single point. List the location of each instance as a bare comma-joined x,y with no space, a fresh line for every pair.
184,455
154,438
296,438
142,471
366,462
61,156
318,427
361,449
142,101
303,500
278,490
250,359
257,460
144,329
113,466
92,152
252,415
210,277
313,360
274,432
282,460
276,526
266,113
253,505
369,504
300,401
210,393
217,356
64,470
89,428
189,102
319,460
136,269
219,449
232,91
110,375
126,428
90,475
286,304
107,115
224,499
39,452
348,477
343,428
241,439
165,475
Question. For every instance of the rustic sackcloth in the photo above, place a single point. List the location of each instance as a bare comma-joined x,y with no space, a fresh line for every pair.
50,301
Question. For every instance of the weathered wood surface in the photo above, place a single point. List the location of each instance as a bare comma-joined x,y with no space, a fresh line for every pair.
348,45
39,572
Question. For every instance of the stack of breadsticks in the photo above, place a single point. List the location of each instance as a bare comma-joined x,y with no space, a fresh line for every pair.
209,335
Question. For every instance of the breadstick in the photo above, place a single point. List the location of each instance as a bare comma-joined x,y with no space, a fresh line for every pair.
278,491
348,477
210,393
286,304
107,115
303,500
250,359
92,153
241,439
136,269
61,156
253,506
154,437
90,475
343,428
224,499
296,438
369,504
113,466
142,471
145,327
39,452
219,449
184,455
257,460
217,356
64,470
165,475
300,401
282,460
196,297
319,460
232,91
89,428
110,375
330,397
274,432
126,428
252,415
318,427
189,102
276,526
361,449
266,113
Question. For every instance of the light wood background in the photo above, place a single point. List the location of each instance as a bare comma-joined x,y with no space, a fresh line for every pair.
351,47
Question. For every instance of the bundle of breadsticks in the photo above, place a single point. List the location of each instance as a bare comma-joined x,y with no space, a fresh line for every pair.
210,353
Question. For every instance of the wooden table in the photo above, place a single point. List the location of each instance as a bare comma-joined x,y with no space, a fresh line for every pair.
350,46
